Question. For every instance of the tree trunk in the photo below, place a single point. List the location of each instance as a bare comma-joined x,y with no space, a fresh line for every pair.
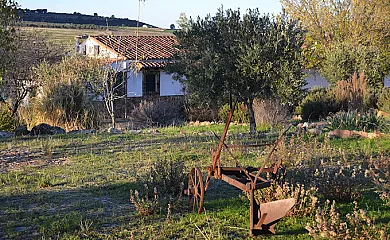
252,120
113,122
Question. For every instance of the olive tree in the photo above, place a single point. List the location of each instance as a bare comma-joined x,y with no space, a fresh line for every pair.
250,55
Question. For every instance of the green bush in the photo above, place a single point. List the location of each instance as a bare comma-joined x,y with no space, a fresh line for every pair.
384,100
7,121
353,120
240,113
317,104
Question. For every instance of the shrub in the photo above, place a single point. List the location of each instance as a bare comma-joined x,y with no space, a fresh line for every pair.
379,171
240,113
66,105
357,225
7,121
338,182
204,113
270,111
65,97
317,104
384,100
159,112
353,120
164,180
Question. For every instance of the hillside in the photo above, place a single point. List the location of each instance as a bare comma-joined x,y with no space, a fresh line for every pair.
42,15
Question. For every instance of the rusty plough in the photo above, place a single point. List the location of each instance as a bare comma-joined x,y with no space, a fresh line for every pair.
263,216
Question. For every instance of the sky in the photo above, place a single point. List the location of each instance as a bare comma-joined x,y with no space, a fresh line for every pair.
160,13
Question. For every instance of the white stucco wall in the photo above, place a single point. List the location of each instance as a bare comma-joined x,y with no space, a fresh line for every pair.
134,84
314,79
387,82
169,86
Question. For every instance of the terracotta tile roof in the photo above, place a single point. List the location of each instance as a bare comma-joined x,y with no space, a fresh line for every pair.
149,47
153,64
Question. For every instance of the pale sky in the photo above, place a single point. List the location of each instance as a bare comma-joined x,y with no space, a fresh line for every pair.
160,13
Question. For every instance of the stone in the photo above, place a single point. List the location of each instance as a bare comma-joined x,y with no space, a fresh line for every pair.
22,131
114,131
46,129
4,134
83,131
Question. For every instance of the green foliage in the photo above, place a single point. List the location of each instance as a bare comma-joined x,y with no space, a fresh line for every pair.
247,56
317,104
7,120
8,10
353,120
342,60
240,113
384,100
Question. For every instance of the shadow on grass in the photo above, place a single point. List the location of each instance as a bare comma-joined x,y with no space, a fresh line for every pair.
50,213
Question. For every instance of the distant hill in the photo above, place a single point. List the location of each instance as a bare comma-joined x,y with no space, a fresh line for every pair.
42,15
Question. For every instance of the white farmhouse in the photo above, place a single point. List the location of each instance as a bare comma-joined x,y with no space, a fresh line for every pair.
141,59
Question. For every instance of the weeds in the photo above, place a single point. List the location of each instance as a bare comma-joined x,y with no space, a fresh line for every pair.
357,225
166,179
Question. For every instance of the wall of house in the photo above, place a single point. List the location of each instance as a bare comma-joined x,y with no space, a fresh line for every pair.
314,79
134,84
89,48
169,86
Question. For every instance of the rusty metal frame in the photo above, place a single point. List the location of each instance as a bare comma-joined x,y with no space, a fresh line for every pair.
263,217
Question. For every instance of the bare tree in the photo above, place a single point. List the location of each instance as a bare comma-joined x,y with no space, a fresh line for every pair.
31,48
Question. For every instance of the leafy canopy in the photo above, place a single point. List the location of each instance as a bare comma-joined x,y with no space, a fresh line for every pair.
250,56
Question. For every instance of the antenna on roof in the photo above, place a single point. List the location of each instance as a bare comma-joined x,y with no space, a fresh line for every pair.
136,42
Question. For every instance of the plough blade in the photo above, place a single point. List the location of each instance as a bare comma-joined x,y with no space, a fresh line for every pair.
276,210
266,215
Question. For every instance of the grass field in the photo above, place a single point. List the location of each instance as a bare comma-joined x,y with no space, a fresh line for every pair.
78,186
66,36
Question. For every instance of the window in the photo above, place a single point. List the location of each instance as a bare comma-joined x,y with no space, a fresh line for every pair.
151,82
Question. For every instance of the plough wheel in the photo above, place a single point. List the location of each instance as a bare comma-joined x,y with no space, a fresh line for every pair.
196,190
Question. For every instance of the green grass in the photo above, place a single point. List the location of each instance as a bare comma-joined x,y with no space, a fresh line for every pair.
78,187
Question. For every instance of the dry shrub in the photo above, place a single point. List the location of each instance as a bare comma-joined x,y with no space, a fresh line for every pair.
164,180
357,225
270,111
65,95
306,198
379,172
202,114
335,181
66,105
144,204
159,112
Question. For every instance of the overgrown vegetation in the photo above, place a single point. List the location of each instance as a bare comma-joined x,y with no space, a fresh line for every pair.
79,185
66,94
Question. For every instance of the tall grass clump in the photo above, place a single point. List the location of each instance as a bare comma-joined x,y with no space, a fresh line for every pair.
65,97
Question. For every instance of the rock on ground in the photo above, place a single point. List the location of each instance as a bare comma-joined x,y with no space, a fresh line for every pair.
46,129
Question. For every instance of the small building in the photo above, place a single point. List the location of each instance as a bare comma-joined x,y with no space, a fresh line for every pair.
141,60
